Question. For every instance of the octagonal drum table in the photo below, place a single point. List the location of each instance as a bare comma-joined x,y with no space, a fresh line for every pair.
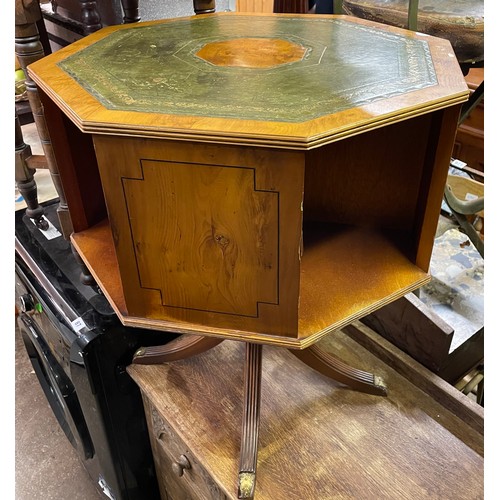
263,178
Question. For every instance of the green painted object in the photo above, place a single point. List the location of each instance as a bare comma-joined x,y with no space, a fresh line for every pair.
155,69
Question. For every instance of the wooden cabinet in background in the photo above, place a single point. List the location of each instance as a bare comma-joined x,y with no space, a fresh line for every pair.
469,142
264,6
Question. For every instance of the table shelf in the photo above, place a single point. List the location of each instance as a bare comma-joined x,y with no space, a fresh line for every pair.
346,273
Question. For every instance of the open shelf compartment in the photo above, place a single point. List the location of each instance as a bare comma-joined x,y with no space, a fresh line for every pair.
345,274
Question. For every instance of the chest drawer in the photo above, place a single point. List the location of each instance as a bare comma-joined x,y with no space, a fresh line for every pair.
180,475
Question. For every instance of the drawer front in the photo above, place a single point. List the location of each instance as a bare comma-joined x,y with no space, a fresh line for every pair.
171,455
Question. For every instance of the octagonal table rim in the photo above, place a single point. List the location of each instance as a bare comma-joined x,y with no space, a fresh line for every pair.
90,116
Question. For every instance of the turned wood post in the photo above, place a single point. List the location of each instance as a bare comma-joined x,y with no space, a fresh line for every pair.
25,180
86,277
29,49
90,16
204,6
131,11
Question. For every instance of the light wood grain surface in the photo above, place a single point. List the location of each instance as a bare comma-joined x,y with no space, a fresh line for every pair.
255,6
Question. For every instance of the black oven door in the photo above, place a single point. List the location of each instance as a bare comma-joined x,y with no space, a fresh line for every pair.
57,387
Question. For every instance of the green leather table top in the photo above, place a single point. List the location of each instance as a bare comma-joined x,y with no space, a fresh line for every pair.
268,68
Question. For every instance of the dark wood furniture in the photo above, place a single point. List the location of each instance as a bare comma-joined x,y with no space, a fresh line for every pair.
70,20
228,194
32,43
29,48
418,331
469,142
92,15
319,440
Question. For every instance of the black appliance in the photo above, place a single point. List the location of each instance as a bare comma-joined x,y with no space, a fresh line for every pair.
79,351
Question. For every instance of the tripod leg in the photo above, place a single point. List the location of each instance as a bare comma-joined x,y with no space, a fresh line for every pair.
182,347
30,47
332,367
250,424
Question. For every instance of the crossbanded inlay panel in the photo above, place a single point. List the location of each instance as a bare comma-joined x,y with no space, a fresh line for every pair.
211,242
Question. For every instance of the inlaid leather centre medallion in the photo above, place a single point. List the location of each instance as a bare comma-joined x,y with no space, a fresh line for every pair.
252,52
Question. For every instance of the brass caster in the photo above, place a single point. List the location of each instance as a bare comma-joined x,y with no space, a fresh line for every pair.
246,484
138,354
381,388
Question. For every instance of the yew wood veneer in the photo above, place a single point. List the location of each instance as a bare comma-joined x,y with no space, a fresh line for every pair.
267,178
263,178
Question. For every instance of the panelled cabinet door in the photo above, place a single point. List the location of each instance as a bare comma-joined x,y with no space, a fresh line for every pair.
213,243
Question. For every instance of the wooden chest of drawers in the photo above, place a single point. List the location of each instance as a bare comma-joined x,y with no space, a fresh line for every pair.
319,440
181,476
